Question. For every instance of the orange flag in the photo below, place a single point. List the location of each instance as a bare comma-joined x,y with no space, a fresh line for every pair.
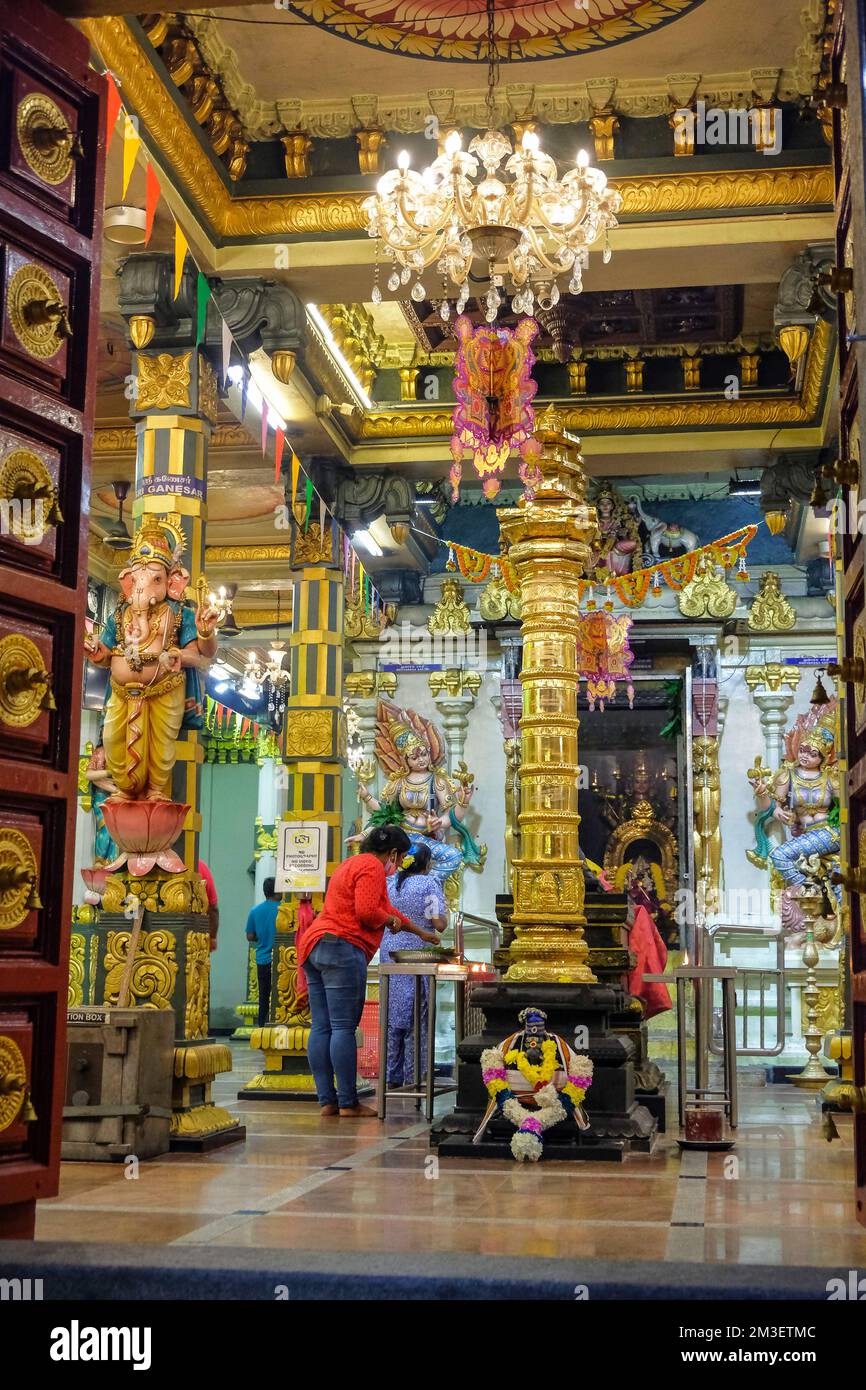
112,109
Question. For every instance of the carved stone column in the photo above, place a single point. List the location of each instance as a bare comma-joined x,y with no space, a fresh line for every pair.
772,687
706,792
455,693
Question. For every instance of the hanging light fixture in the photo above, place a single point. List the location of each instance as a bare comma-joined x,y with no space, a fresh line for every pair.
117,535
528,227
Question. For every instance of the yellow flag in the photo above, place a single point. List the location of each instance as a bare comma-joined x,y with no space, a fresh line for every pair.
296,464
180,244
131,142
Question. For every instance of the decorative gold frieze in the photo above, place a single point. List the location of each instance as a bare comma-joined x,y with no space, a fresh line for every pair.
297,147
371,144
603,127
771,611
454,682
156,892
692,373
451,613
577,378
772,675
313,546
163,381
307,214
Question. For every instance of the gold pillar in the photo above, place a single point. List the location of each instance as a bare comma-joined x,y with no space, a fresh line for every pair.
548,545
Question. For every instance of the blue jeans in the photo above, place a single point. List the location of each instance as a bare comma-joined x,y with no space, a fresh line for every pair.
336,974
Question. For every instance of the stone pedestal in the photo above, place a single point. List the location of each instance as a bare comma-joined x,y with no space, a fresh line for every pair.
618,1122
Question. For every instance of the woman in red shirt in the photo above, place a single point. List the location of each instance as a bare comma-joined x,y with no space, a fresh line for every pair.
335,950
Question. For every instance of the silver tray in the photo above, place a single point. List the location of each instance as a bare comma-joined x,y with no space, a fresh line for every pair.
431,956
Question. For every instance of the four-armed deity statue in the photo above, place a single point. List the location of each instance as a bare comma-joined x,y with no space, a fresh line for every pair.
803,796
418,793
157,648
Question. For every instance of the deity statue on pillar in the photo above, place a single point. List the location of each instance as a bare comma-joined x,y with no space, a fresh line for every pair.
618,546
803,795
419,793
157,648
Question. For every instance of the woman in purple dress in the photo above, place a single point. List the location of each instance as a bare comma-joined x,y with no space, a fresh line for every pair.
416,893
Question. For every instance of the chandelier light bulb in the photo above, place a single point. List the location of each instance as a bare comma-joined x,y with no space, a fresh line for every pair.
582,159
453,143
403,161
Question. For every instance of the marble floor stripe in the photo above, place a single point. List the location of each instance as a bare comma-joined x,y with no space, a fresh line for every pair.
686,1237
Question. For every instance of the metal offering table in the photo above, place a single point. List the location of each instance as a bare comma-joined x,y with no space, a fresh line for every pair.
701,1093
436,974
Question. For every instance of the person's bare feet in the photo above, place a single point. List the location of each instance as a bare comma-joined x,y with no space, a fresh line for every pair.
358,1112
328,1111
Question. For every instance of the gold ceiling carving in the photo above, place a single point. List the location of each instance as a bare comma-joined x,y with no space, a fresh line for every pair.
644,415
113,439
244,554
300,214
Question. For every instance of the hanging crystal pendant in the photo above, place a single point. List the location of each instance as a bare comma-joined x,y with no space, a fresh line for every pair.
377,295
405,275
417,292
444,311
393,281
606,251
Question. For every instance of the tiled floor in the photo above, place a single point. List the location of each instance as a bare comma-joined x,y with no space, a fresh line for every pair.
300,1182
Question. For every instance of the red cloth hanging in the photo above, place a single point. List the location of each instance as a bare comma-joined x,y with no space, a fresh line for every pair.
652,957
305,917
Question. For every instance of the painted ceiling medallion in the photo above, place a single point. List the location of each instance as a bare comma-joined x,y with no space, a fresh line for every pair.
456,30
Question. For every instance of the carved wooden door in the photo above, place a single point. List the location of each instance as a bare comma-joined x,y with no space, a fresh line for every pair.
51,166
845,98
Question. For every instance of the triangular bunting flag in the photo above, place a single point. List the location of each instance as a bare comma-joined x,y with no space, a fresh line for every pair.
226,348
244,387
264,426
308,501
152,193
202,295
279,440
296,465
322,517
131,143
112,109
180,245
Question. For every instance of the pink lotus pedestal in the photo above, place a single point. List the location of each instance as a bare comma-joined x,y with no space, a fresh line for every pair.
145,832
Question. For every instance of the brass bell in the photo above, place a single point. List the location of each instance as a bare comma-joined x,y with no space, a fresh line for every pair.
849,669
28,1114
34,902
819,695
47,702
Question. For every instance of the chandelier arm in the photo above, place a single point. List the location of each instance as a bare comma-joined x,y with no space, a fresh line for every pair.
425,233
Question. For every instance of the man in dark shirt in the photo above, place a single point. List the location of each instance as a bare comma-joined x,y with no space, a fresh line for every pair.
262,929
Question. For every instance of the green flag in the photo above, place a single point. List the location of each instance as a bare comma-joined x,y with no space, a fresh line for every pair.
202,295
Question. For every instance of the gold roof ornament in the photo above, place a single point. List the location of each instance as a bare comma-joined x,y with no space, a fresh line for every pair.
771,611
451,613
708,594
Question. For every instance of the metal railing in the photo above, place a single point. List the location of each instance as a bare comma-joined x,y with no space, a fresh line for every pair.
491,926
749,981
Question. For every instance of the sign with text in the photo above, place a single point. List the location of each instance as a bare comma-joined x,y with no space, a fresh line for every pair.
302,856
171,484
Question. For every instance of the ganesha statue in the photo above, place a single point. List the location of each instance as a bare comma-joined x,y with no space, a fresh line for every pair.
157,648
803,796
418,793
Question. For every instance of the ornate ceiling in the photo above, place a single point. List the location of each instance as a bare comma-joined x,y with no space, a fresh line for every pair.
456,30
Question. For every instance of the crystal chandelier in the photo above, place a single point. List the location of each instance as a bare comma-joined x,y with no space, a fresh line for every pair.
528,227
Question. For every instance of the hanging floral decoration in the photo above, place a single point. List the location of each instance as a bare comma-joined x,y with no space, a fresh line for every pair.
604,655
494,417
556,1088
